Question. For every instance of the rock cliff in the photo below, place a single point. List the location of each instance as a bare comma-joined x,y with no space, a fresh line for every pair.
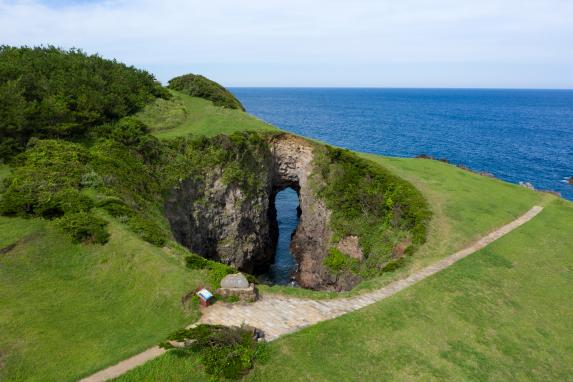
224,222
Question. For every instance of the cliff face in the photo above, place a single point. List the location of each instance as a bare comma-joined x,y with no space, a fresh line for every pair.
227,223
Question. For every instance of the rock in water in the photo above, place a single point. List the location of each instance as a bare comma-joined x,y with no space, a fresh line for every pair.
237,280
571,181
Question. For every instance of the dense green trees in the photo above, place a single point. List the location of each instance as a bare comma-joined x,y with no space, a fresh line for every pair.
48,92
199,86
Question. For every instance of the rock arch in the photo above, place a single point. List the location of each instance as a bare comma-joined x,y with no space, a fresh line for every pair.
225,223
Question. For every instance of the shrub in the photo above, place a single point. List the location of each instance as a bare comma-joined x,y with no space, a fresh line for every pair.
46,180
225,352
199,86
147,230
337,261
49,92
84,227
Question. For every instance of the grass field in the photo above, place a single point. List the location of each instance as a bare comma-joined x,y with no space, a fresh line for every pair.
183,115
500,314
67,310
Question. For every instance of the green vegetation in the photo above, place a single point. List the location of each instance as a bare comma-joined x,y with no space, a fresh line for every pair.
85,228
49,92
182,115
465,206
224,352
68,310
496,315
368,201
199,86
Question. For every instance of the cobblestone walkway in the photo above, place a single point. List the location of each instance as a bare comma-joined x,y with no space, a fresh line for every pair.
278,315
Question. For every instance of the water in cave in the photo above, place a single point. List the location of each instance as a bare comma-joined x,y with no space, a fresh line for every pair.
284,265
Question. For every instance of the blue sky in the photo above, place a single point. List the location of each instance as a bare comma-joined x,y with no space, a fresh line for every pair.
370,43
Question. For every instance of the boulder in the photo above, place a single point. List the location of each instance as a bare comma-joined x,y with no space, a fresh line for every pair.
235,281
571,181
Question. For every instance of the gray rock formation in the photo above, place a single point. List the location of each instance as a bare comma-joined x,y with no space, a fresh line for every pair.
238,280
227,224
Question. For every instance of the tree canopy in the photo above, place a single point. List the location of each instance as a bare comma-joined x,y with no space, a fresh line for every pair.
47,92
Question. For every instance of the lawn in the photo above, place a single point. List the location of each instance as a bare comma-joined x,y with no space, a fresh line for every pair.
500,314
69,310
183,115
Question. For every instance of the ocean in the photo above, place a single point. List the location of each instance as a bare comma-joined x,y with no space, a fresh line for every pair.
516,135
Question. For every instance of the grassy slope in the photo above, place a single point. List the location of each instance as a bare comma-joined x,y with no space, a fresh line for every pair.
500,314
67,310
183,115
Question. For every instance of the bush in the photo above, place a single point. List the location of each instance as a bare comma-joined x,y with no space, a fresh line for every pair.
49,92
225,352
84,227
199,86
147,230
337,261
46,180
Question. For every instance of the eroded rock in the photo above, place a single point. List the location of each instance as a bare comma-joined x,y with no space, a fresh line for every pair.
238,280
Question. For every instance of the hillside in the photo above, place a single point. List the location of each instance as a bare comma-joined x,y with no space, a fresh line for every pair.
93,271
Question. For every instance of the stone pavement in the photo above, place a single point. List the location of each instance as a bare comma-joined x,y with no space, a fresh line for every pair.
277,315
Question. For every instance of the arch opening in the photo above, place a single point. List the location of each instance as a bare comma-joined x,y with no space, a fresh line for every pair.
285,215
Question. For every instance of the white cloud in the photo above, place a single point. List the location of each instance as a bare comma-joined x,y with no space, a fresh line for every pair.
302,42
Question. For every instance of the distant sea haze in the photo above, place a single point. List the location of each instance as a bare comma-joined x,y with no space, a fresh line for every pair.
517,135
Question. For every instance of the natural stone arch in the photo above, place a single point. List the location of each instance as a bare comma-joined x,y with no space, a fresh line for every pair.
225,223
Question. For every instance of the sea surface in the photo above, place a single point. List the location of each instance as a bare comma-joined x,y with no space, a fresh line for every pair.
517,135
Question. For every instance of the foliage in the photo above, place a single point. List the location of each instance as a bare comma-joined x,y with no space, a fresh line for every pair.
337,261
241,157
227,352
49,92
84,227
199,86
217,271
147,230
368,201
46,182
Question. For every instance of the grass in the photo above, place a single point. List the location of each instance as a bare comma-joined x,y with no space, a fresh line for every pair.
465,206
69,310
500,314
183,115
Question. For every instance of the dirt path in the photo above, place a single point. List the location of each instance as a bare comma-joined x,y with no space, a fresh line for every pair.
278,315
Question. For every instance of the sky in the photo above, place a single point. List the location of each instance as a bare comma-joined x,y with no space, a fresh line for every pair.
315,43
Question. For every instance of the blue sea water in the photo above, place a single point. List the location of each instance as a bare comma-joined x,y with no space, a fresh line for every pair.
284,265
517,135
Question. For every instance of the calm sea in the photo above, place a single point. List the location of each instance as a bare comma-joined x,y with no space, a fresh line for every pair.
517,135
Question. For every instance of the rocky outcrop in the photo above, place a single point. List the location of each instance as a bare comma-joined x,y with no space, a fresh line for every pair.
223,222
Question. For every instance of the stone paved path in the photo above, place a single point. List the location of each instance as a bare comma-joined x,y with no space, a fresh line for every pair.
278,315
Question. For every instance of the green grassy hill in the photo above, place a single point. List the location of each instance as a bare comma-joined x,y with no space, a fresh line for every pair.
69,309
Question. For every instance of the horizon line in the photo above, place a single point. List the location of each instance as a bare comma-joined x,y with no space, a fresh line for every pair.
392,87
